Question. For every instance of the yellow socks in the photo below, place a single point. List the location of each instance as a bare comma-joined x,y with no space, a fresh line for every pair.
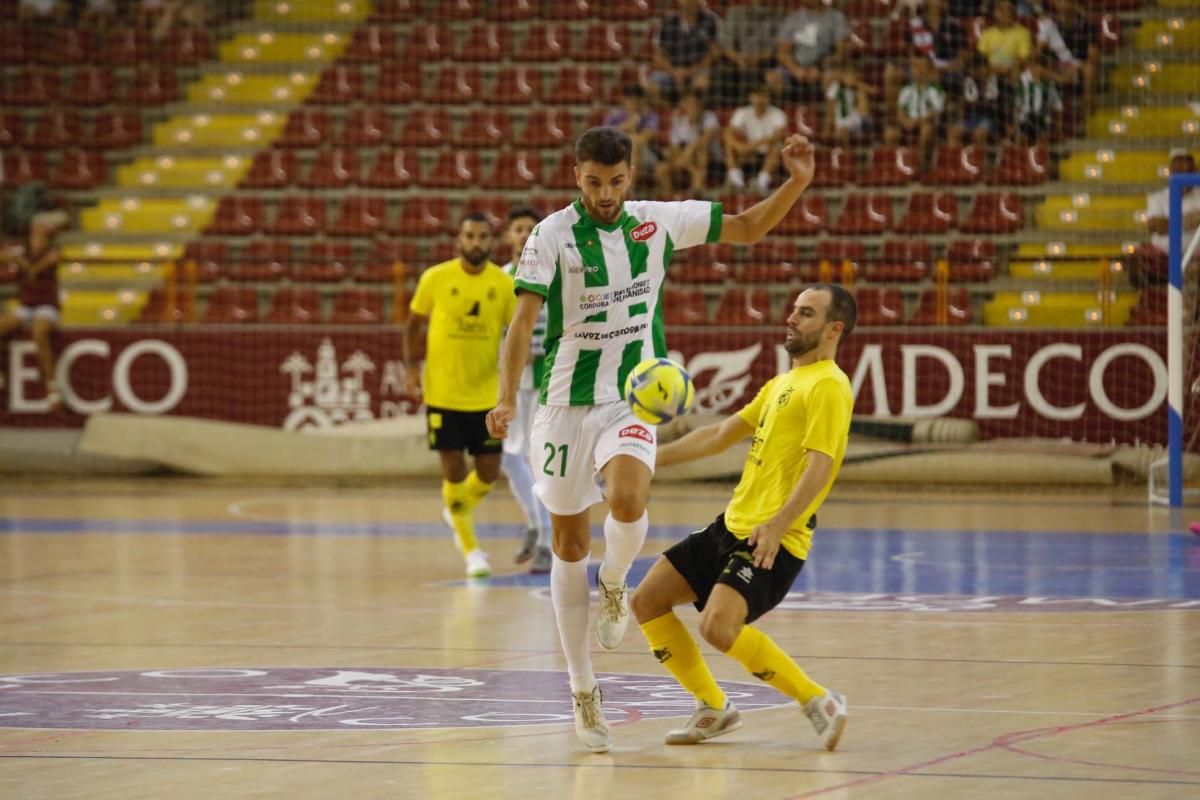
755,651
476,489
456,498
676,650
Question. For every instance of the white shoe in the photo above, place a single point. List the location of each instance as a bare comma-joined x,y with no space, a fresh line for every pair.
614,614
477,564
736,179
706,723
590,725
828,717
763,183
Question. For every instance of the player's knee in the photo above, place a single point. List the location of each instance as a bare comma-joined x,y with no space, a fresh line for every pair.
719,631
627,505
645,606
568,548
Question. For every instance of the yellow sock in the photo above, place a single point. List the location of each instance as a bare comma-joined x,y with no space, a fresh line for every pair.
476,489
676,650
756,651
454,495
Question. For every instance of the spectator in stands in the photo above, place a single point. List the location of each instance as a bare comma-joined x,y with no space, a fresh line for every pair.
753,140
685,47
1007,44
640,123
49,10
1038,106
748,35
162,15
979,105
98,13
37,307
1070,34
848,105
693,145
1150,267
919,108
810,35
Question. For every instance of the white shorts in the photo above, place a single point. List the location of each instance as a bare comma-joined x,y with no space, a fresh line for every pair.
27,315
516,443
571,444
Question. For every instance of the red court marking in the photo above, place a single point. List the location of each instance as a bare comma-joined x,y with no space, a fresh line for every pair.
1002,742
1065,760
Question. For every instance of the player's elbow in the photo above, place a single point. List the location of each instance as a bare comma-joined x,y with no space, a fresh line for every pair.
738,230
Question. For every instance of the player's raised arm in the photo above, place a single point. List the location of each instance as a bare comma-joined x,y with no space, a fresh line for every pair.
757,221
706,441
513,355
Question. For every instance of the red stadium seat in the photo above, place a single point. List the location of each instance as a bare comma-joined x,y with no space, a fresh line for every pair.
563,174
152,85
835,167
955,165
365,127
929,212
490,127
995,213
573,9
17,44
334,168
393,169
306,127
744,307
517,86
428,42
70,46
545,42
126,47
864,215
903,261
685,307
11,128
514,10
456,86
1021,166
371,44
890,166
116,130
625,9
159,309
486,42
264,260
79,169
1151,307
271,169
461,9
55,129
494,207
325,262
576,85
958,308
339,85
972,260
23,167
808,217
426,128
806,120
397,10
211,258
232,304
519,169
91,86
386,261
546,127
836,251
360,216
187,46
424,216
357,307
32,86
879,306
398,84
772,261
299,215
606,42
294,305
707,265
454,170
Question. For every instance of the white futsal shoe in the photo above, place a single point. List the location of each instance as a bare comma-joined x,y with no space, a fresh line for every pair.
706,723
828,717
477,564
590,725
613,618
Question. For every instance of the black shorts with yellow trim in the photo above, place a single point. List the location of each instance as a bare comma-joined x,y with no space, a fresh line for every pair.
714,555
460,430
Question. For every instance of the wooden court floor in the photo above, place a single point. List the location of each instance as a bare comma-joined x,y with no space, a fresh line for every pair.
188,639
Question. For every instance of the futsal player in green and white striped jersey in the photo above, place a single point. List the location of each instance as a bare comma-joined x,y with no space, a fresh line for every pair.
598,267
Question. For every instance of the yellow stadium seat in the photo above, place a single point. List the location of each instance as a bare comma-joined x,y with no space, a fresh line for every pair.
1033,308
149,215
122,251
1087,211
311,10
1158,77
1105,166
219,130
92,307
183,172
1133,121
276,48
1178,34
235,87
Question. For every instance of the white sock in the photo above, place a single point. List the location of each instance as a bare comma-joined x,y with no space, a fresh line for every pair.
571,595
622,543
520,480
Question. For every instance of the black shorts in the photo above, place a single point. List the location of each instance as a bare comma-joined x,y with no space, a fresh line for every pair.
714,555
460,430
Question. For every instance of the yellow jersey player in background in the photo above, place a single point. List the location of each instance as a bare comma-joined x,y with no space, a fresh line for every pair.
467,302
743,564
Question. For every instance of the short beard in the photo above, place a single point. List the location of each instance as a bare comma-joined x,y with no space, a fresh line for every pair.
802,345
474,262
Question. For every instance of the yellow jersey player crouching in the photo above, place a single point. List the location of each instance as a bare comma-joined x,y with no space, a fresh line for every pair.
743,564
468,302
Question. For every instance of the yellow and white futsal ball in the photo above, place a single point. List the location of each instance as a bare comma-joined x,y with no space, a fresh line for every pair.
658,390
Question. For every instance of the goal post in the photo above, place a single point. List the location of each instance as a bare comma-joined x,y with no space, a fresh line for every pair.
1180,253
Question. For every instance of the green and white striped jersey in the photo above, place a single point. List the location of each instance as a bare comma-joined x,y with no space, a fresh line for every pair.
531,376
603,290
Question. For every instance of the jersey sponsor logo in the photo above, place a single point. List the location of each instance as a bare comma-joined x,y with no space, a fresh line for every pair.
636,432
598,336
644,231
595,300
576,269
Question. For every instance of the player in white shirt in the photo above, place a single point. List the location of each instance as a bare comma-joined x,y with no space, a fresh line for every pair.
515,462
598,266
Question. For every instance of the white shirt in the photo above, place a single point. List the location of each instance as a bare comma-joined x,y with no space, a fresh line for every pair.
1158,205
754,127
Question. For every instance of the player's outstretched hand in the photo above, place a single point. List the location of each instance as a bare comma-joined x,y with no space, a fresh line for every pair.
499,418
764,542
797,156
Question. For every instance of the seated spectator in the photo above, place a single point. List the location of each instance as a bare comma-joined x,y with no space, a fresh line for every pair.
1150,266
1006,44
978,114
1070,34
809,36
98,13
936,35
692,146
753,140
51,10
848,105
919,108
1038,105
640,123
685,46
748,35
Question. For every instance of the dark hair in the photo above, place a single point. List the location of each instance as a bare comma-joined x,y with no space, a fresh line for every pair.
475,216
524,211
606,146
842,307
634,90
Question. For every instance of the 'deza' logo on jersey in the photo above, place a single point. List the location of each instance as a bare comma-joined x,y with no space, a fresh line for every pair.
644,231
636,432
